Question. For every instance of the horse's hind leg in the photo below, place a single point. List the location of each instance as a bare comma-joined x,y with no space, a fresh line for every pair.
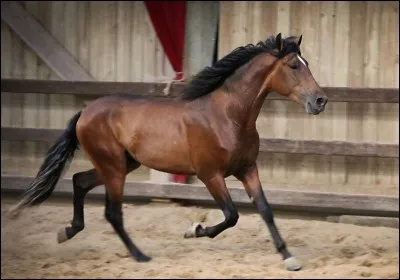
112,164
216,186
83,182
114,182
113,213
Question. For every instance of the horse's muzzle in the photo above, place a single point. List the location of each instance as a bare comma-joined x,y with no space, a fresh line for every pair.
315,103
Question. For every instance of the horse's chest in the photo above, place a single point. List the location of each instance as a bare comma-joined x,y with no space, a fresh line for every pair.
246,152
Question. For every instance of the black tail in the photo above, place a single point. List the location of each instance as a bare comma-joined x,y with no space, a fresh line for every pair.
52,168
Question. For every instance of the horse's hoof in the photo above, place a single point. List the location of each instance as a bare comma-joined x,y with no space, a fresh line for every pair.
292,264
191,232
62,235
142,258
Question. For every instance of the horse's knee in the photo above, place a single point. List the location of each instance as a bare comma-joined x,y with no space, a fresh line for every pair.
113,217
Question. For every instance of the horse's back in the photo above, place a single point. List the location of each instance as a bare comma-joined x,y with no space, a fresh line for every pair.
118,104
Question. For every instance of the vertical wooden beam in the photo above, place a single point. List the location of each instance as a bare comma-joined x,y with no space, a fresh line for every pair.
201,27
339,78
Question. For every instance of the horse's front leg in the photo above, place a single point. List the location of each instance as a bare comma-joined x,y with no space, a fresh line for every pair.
216,186
251,181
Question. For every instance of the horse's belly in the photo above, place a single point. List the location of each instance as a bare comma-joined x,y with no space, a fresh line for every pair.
166,156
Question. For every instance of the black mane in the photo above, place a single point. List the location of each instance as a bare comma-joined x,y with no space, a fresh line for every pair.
212,77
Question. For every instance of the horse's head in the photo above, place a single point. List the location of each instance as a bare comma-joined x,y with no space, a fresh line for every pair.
291,77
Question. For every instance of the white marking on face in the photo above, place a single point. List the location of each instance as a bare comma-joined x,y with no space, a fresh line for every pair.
302,60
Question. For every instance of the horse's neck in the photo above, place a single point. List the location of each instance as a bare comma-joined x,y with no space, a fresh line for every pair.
243,90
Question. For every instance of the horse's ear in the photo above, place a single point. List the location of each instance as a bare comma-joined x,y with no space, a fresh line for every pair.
299,42
279,42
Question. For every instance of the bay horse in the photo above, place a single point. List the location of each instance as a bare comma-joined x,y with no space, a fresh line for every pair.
208,131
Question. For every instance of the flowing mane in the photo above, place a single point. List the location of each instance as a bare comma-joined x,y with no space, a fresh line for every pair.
212,77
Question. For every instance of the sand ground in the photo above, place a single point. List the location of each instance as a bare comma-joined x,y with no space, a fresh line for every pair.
327,250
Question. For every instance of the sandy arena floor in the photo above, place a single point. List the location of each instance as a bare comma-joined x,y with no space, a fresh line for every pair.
327,250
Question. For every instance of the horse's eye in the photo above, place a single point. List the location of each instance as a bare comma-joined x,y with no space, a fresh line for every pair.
294,66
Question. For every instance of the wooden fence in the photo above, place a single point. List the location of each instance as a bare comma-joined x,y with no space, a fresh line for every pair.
322,202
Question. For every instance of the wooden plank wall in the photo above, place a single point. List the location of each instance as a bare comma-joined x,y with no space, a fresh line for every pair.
346,43
112,40
115,41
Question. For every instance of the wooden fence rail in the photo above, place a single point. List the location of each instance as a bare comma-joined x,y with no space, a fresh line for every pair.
274,145
320,202
96,89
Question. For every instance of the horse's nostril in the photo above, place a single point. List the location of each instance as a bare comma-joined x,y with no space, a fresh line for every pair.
320,100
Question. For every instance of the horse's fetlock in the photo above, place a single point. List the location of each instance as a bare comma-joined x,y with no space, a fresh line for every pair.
232,219
280,245
78,226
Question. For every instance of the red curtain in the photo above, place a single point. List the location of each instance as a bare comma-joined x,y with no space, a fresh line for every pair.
168,18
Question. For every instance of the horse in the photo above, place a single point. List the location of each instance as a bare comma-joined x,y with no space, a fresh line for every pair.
209,130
